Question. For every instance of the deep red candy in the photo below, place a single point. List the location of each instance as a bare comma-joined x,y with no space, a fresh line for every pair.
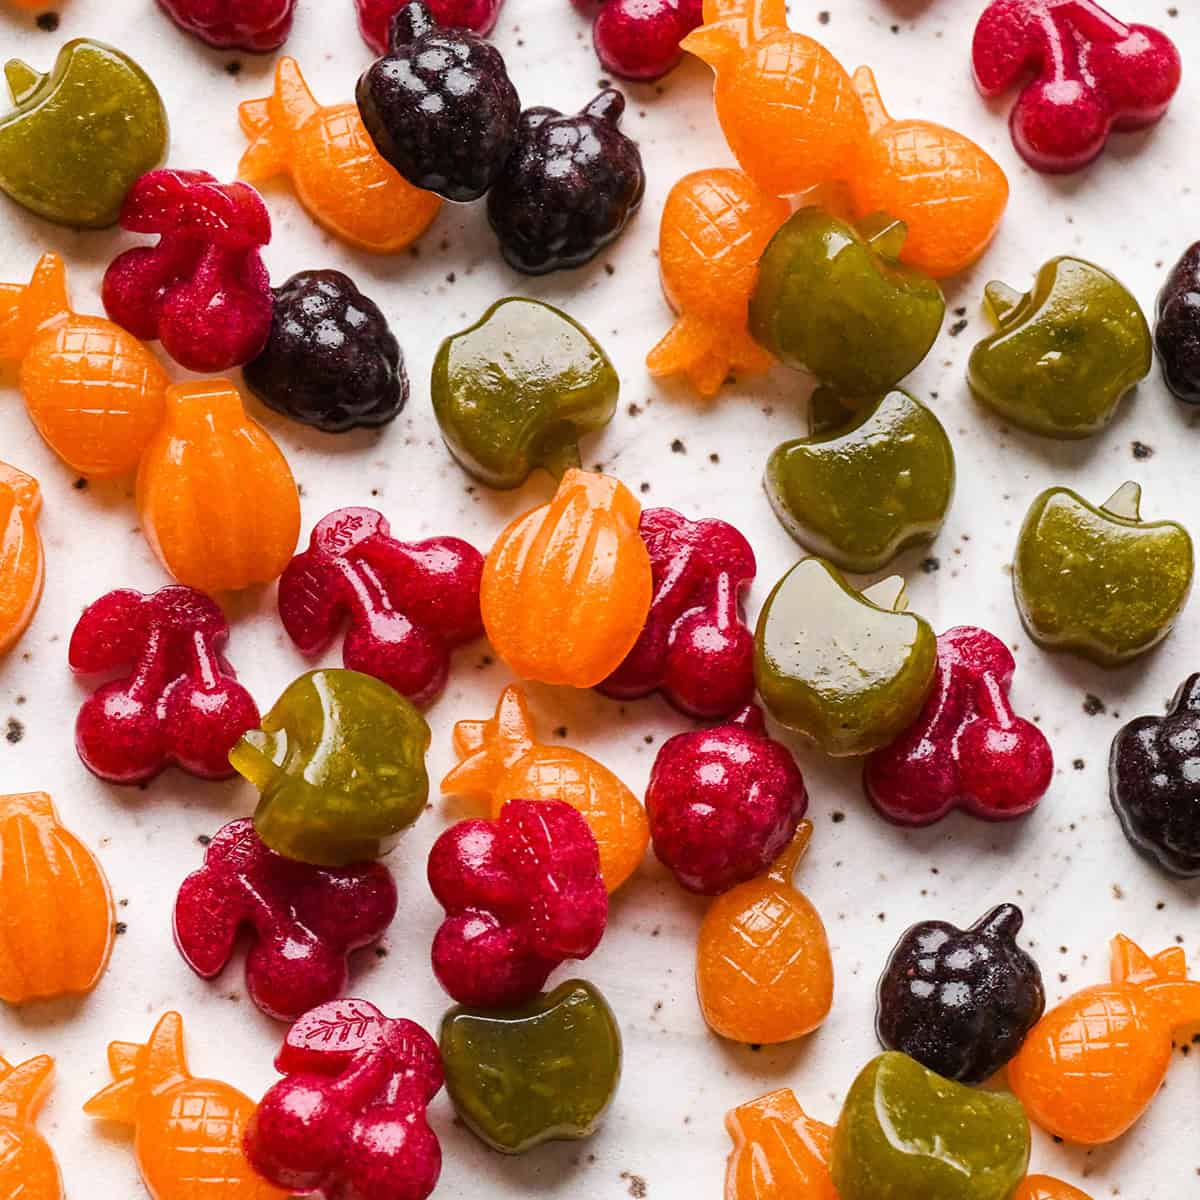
178,702
639,39
522,894
723,803
253,25
408,603
967,749
375,17
1092,74
203,291
306,920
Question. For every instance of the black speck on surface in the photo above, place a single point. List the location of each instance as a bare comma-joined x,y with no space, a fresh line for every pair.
634,410
48,22
561,731
930,564
958,327
677,447
233,67
823,17
14,731
643,487
1079,764
755,1047
80,485
648,739
1141,451
609,269
204,839
381,952
837,817
119,928
1092,705
637,1185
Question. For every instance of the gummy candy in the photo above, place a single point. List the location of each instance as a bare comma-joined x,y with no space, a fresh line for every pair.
93,391
849,670
639,39
339,177
779,1152
763,970
1153,786
1091,1066
1064,354
253,25
832,300
522,894
28,1170
330,361
1177,329
715,226
967,749
1042,1187
1100,582
723,803
407,603
22,563
787,108
907,1134
866,484
501,760
544,1072
340,763
567,586
518,389
80,135
58,912
216,497
305,920
439,106
188,1131
569,187
960,1001
178,701
203,291
1091,74
348,1118
375,16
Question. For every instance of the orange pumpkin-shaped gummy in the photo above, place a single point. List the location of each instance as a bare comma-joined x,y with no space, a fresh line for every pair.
1042,1187
338,174
763,969
22,564
501,760
779,1152
566,588
1090,1067
93,391
217,499
715,226
28,1170
56,912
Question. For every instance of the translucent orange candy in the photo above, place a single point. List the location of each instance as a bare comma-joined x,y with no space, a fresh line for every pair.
22,563
566,587
501,760
28,1169
338,174
715,226
216,497
93,391
763,969
1042,1187
187,1132
1091,1066
779,1152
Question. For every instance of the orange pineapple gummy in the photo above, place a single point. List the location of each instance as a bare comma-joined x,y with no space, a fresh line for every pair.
1091,1066
501,760
338,174
22,563
763,969
1042,1187
217,499
28,1170
93,391
56,911
779,1152
715,226
187,1131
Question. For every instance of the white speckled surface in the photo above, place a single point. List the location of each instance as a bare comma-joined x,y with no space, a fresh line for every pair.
1068,865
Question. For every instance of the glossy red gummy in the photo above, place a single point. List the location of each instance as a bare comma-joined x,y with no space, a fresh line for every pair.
522,894
203,291
1092,74
967,749
407,603
177,701
695,647
375,17
348,1120
305,919
639,39
723,803
254,25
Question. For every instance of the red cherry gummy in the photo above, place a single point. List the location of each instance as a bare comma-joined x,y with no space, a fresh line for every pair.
203,291
306,920
1092,74
723,803
375,17
178,701
639,39
967,749
348,1118
408,603
253,25
695,647
522,894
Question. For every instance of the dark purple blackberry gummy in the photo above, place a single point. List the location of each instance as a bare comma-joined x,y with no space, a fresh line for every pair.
439,106
1154,783
569,188
331,360
1177,330
960,1002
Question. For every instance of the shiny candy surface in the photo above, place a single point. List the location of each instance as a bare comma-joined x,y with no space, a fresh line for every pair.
639,39
253,25
22,561
779,1152
1177,330
374,17
28,1169
1043,1187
